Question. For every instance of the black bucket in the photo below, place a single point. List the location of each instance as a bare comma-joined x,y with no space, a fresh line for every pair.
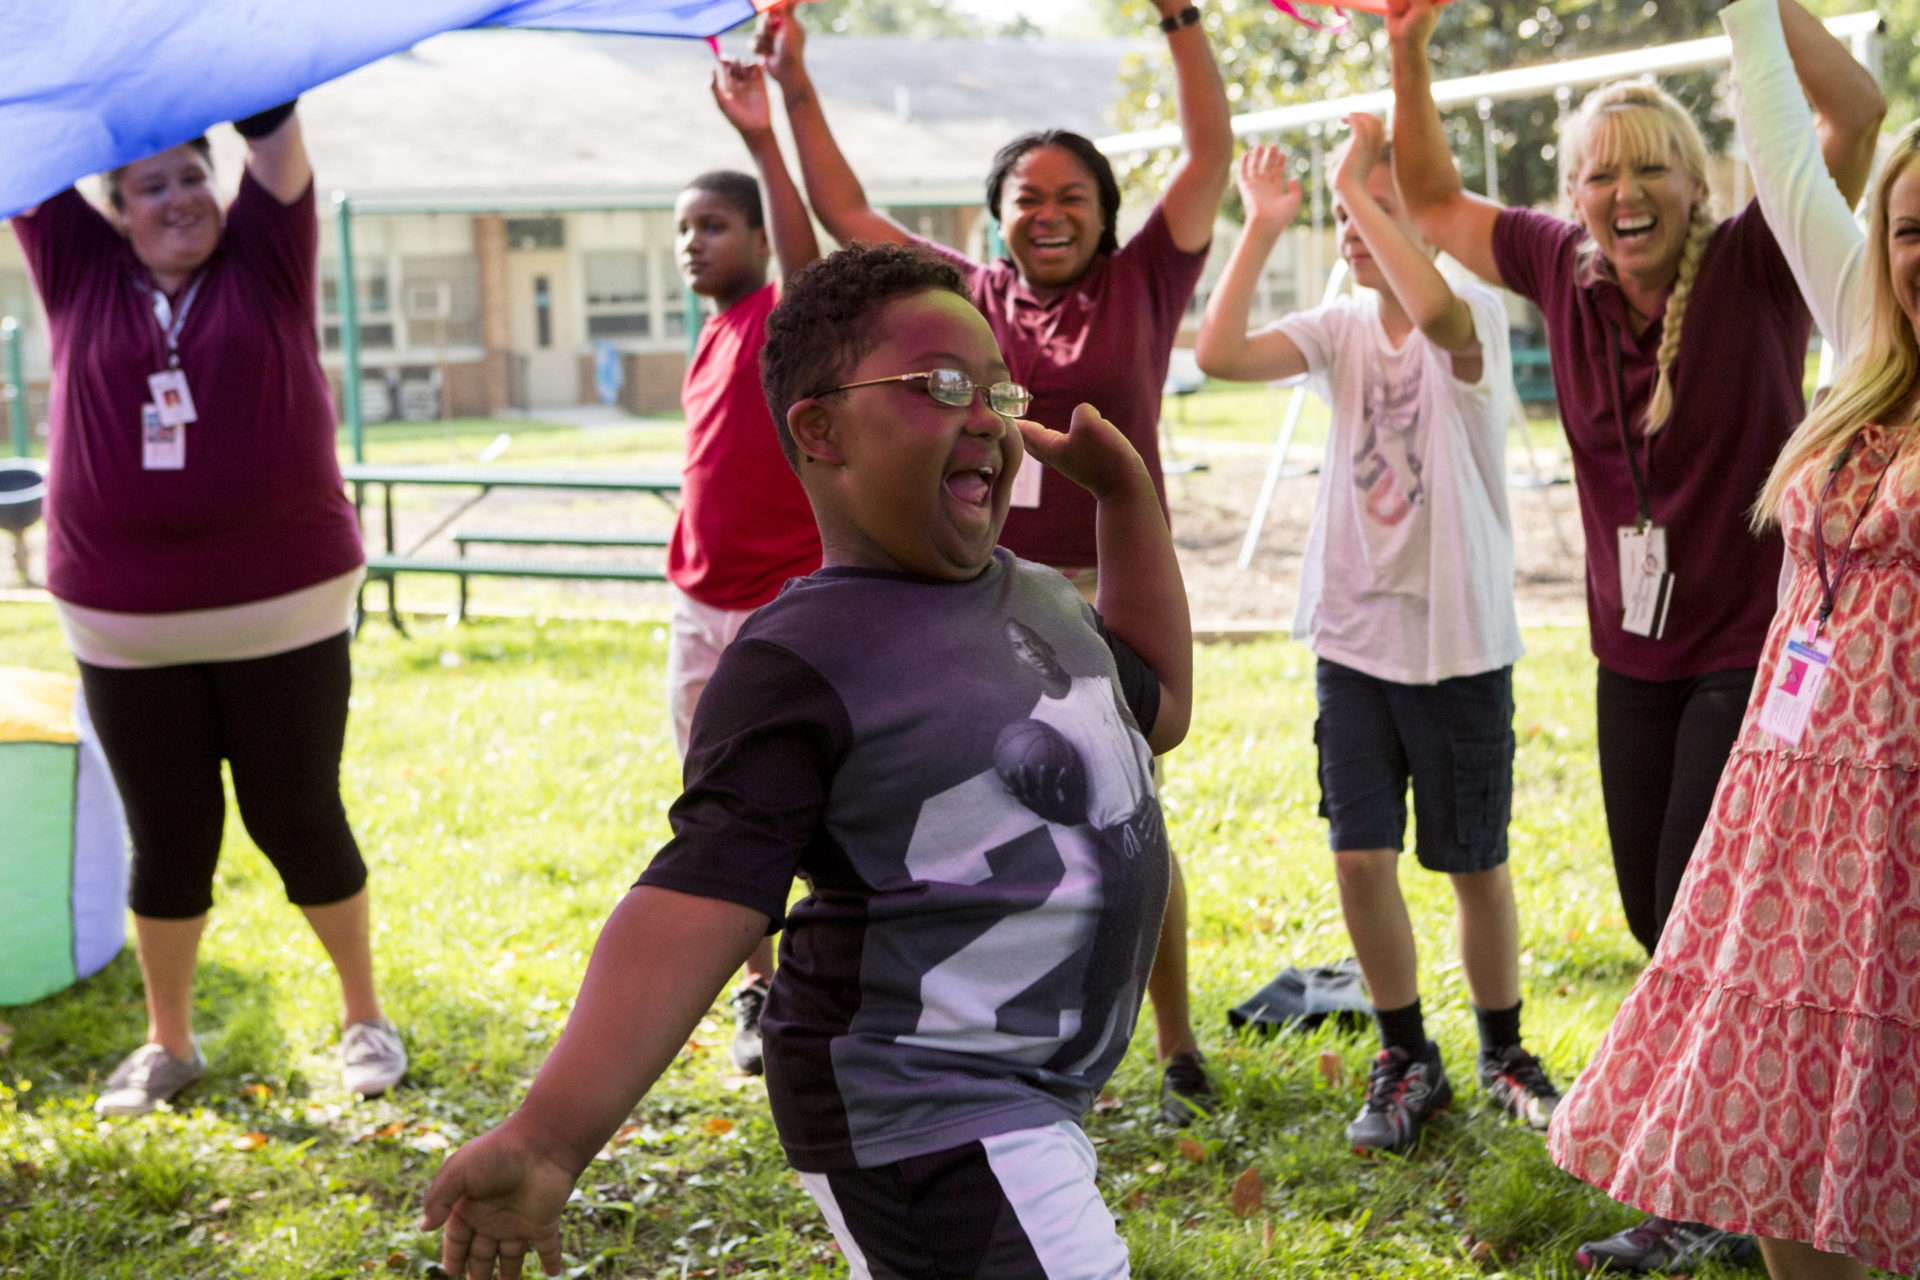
23,489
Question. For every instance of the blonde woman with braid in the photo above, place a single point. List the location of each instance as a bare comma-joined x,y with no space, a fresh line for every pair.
1678,347
1764,1073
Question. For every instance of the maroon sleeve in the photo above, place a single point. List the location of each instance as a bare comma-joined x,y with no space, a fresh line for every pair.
1536,253
1747,237
1172,274
279,244
64,240
767,737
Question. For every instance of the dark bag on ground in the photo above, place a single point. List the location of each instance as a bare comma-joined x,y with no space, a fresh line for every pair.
1301,999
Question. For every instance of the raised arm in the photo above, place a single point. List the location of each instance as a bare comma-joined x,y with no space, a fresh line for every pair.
660,961
1224,348
832,188
1844,95
1809,216
1428,299
740,90
1460,223
1141,595
1192,197
276,153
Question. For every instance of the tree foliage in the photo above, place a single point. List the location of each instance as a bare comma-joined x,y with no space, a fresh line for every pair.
1269,60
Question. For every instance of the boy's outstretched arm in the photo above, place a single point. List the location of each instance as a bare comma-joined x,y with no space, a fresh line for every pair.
1446,213
740,89
661,959
1422,291
833,189
1141,596
1224,348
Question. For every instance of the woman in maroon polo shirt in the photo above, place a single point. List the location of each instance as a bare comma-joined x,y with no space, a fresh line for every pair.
1678,345
1079,317
204,559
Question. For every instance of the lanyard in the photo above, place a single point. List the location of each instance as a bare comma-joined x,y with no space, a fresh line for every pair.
1626,441
171,322
1830,587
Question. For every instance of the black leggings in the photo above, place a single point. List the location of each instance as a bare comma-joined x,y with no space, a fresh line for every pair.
1663,745
280,721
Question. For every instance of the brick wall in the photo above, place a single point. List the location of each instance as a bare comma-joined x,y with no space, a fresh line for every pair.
652,381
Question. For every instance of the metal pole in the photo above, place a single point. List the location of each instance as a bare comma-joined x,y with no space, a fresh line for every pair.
1316,180
1488,140
696,313
350,327
16,386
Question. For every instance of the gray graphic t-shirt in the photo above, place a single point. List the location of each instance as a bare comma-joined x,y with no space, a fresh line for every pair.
956,771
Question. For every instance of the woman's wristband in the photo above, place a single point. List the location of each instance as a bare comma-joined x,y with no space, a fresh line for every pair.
1185,18
262,123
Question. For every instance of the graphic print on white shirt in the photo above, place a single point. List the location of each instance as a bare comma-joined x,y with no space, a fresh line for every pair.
1387,466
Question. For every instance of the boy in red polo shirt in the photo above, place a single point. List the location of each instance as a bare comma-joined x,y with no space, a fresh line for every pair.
744,526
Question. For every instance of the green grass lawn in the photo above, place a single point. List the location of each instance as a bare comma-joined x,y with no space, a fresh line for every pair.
509,779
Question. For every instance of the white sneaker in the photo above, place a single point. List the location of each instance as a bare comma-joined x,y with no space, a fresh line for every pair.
146,1078
372,1058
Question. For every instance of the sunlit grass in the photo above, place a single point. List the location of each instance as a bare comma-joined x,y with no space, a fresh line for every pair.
509,779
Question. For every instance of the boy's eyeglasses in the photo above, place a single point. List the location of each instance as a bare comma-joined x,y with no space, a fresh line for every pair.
952,387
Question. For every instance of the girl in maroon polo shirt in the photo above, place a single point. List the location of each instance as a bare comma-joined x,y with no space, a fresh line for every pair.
204,559
1080,318
1678,345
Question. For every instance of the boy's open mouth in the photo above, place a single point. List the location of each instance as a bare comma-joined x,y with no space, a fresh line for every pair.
973,485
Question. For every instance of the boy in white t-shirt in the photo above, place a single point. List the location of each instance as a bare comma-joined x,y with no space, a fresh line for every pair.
1406,597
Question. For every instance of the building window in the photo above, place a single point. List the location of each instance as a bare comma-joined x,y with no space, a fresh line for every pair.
617,295
373,297
536,233
440,299
673,299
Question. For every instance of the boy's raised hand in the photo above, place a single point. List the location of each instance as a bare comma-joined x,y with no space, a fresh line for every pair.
780,42
1091,452
499,1200
1411,21
740,90
1268,194
1362,150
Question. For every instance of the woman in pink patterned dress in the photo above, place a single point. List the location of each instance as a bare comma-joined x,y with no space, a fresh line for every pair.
1764,1074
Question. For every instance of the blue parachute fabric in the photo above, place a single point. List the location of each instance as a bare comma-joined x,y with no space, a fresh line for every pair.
86,85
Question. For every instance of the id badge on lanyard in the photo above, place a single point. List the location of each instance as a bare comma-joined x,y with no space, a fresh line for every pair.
1807,656
163,420
1646,585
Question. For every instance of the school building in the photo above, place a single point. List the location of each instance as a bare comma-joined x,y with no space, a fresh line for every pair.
511,196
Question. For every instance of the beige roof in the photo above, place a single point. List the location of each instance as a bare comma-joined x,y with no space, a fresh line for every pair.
480,114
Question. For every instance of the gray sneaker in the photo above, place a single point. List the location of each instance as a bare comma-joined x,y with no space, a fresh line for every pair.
146,1078
372,1059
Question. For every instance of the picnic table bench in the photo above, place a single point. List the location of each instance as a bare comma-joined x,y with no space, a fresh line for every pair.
394,561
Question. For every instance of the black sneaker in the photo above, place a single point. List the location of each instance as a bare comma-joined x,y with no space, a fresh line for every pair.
1185,1092
1662,1244
1516,1084
748,1001
1402,1092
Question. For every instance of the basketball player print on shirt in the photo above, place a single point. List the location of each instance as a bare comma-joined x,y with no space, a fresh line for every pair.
1077,757
1386,466
1066,815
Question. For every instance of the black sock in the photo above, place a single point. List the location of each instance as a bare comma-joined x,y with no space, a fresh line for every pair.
1499,1028
1403,1028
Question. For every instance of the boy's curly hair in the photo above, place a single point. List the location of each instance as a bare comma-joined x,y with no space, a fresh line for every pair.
825,321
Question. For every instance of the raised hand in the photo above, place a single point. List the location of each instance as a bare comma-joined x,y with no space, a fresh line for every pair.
1362,151
1411,20
1091,452
740,90
499,1200
780,43
1269,195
